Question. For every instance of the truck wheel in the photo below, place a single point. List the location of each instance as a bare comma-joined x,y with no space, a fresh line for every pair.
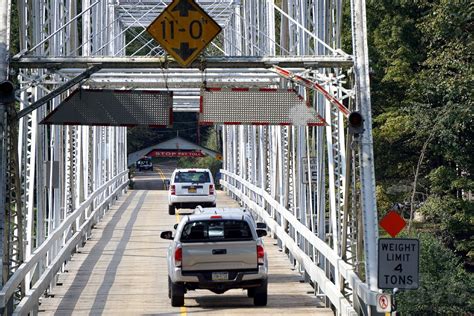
169,287
171,209
260,296
177,295
251,292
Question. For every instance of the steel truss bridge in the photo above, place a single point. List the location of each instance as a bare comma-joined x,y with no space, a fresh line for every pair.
57,181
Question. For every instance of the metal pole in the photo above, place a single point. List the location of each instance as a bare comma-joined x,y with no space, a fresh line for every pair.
4,52
367,174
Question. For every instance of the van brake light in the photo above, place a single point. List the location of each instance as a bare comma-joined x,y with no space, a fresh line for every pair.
211,189
173,189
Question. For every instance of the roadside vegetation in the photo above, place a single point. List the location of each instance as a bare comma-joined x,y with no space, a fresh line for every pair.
211,163
422,83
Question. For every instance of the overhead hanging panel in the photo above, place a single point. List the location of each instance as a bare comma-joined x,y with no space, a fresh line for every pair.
256,107
114,108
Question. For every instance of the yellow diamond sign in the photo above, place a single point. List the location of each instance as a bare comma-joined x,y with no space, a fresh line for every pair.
183,29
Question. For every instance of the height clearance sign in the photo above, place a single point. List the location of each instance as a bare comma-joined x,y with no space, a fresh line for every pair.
398,263
183,29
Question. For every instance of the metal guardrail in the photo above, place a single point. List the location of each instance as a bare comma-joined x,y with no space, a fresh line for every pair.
30,301
317,275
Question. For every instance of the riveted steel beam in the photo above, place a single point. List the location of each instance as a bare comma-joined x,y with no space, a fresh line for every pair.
161,62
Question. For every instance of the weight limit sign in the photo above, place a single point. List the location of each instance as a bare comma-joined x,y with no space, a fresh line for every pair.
398,263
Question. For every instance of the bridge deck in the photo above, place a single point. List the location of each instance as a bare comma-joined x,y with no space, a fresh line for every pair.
122,271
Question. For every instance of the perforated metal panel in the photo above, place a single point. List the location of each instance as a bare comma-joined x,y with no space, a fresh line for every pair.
256,107
114,107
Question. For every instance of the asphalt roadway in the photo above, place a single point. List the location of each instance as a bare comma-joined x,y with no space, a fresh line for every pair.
154,180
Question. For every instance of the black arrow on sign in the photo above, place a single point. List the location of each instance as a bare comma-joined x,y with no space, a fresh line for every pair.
184,7
184,51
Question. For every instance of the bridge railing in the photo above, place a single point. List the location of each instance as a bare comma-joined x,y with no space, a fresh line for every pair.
70,234
272,212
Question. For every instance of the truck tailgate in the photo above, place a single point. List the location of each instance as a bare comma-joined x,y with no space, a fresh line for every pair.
230,255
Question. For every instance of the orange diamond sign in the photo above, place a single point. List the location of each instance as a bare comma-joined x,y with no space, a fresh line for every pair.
183,29
393,223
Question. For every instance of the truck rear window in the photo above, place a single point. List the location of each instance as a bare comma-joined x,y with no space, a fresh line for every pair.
216,230
193,177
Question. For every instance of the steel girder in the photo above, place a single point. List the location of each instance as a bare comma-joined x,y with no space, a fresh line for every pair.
60,167
322,205
269,157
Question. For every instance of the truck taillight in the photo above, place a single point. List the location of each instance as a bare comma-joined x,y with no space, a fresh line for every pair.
178,256
211,189
173,189
260,255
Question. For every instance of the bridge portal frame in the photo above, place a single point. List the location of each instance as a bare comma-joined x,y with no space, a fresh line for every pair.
307,27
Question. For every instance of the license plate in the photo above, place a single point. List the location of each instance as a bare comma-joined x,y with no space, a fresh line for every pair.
220,276
191,190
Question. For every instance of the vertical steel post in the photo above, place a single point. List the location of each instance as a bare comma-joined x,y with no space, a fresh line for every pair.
367,174
4,52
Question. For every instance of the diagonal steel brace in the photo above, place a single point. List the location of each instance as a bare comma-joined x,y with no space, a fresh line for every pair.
312,85
78,79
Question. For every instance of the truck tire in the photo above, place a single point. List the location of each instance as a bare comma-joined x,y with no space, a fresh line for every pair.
177,295
251,292
169,287
260,295
171,209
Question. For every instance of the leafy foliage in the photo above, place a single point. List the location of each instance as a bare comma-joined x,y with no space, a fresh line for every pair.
211,163
422,79
438,269
422,83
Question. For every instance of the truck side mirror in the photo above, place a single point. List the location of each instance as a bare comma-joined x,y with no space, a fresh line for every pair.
261,225
167,235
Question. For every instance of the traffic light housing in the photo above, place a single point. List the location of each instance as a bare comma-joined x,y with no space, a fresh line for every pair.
7,92
355,123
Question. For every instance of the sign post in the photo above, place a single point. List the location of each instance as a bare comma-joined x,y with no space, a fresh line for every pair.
398,263
183,29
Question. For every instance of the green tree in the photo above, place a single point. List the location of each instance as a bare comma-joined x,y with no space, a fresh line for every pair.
422,91
211,163
445,288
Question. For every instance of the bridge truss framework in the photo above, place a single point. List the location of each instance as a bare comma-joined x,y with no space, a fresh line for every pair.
327,226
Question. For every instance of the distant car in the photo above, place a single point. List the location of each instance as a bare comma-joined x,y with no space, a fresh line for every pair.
218,250
144,164
189,188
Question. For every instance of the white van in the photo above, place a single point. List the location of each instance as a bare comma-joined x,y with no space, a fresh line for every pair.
190,188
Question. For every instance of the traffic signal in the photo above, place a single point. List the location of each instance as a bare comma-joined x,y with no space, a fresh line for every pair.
356,123
7,92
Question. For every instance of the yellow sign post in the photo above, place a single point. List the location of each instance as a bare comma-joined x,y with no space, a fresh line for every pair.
183,29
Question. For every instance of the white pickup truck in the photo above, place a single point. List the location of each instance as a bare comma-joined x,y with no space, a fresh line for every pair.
217,249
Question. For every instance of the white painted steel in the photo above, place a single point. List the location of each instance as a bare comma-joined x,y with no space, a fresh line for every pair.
4,71
117,184
367,173
270,212
263,164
